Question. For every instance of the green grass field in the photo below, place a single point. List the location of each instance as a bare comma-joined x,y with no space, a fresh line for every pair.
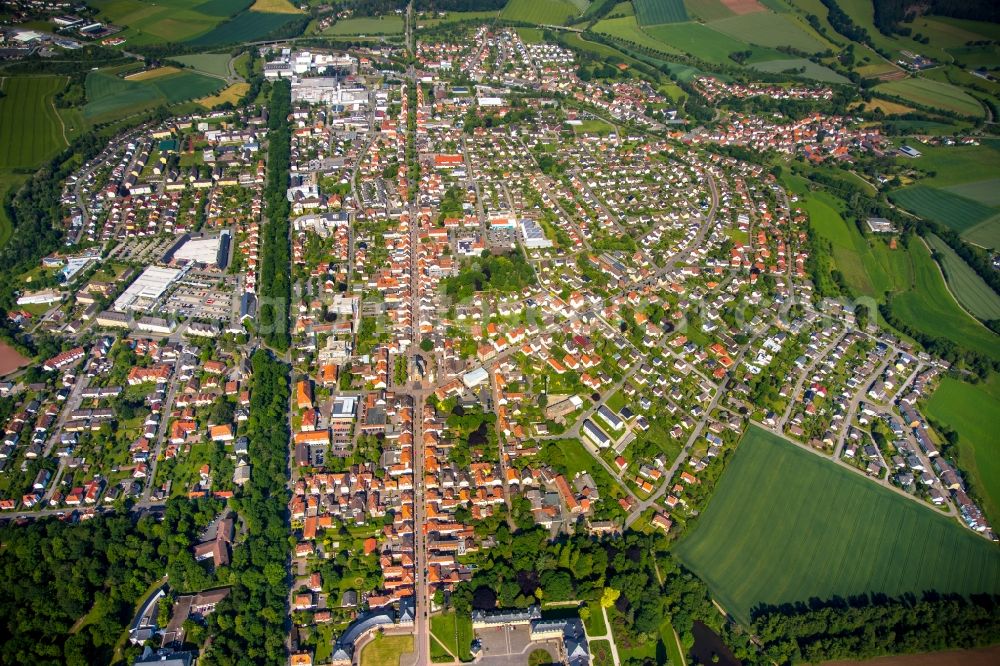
986,192
175,21
29,125
971,409
386,650
971,291
785,525
110,97
246,27
943,207
933,94
551,12
8,181
707,10
626,28
929,307
985,234
654,12
954,165
770,29
869,268
367,25
709,45
454,633
214,64
810,69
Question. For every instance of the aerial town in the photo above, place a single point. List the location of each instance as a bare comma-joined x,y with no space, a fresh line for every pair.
439,352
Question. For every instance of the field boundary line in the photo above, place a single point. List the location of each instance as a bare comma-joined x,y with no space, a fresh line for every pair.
947,286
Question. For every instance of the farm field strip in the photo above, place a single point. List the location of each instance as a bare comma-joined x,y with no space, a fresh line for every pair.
654,12
965,284
934,94
942,206
30,128
551,12
929,307
781,513
961,406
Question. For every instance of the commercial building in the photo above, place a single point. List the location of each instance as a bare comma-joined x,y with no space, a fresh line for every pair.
148,287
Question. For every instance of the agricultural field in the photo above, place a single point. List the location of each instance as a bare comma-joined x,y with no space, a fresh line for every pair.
150,74
232,94
552,12
110,97
30,127
455,17
933,94
970,410
246,27
986,192
929,307
386,650
213,64
707,44
367,25
943,207
8,181
274,7
708,10
654,12
177,21
809,69
770,29
626,29
955,165
965,284
781,515
869,268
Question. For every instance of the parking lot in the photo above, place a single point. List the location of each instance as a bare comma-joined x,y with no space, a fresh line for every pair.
510,646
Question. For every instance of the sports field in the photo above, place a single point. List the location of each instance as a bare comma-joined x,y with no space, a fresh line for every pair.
110,97
552,12
30,129
785,525
971,291
654,12
942,206
929,307
215,64
971,409
933,94
770,29
367,25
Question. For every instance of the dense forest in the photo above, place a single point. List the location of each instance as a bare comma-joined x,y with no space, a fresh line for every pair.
54,573
250,624
862,628
275,288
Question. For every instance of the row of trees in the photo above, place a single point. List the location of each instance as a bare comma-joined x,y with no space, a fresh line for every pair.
250,624
274,287
863,628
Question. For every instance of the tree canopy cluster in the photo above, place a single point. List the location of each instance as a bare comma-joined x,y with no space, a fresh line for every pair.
249,625
863,628
510,272
56,574
275,287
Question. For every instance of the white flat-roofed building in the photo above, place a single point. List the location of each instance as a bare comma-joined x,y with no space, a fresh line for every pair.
147,288
532,235
594,433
